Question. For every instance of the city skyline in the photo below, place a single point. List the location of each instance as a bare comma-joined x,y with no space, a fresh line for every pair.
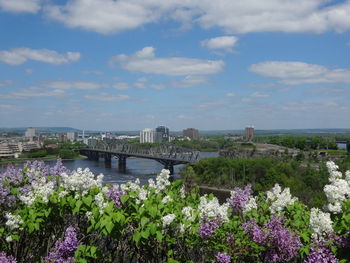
128,65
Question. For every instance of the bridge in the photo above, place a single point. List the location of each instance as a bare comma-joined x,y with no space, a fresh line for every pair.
166,154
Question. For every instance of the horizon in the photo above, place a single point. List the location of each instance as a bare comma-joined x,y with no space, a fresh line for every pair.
115,66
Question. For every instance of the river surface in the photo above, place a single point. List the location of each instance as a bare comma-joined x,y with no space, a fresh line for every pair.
143,169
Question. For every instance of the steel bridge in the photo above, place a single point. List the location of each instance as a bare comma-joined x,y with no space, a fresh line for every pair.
166,154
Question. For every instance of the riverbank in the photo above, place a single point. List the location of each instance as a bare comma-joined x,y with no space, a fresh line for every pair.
46,158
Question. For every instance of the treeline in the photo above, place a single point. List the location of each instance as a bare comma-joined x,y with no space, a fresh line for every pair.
303,142
305,181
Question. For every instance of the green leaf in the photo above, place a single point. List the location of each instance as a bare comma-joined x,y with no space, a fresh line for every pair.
137,237
144,221
87,200
145,234
124,198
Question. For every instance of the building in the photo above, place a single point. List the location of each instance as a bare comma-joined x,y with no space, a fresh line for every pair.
249,133
191,133
147,135
8,150
72,136
162,134
30,133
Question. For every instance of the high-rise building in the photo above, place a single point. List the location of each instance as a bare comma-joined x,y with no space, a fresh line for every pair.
147,135
30,133
249,133
72,136
191,133
162,134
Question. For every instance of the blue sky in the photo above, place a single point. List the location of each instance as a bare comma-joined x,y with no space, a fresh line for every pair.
132,64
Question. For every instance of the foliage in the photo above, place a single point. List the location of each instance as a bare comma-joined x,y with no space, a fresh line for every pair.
67,154
304,181
55,215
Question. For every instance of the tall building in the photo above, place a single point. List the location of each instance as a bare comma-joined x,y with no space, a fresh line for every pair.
147,135
249,133
30,133
191,133
72,136
162,134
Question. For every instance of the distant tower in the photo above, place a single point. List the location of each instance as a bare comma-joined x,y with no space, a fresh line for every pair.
30,133
147,135
162,134
191,133
249,133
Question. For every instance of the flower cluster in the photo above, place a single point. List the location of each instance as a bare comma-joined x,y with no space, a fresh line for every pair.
13,221
113,193
338,190
209,226
64,250
279,199
162,181
321,255
100,202
241,200
81,181
40,189
6,259
11,176
222,258
212,209
168,219
320,222
281,244
188,213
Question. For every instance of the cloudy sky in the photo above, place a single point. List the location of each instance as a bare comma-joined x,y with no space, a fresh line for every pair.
132,64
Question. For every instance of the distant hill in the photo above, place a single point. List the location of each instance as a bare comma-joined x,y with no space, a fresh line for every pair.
41,129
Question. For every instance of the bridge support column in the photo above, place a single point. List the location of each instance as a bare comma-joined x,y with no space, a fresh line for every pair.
170,167
122,163
108,160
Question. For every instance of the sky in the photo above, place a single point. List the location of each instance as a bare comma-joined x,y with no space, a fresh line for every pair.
210,65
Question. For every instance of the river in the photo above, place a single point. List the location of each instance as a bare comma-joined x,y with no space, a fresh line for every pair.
143,169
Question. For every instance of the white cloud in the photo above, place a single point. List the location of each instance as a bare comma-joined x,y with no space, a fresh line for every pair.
255,95
73,85
145,61
121,86
225,42
107,97
92,72
189,82
230,94
295,73
213,103
111,16
18,56
20,6
4,83
33,92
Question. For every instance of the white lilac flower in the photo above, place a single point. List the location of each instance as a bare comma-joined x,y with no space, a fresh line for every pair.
100,202
168,219
212,209
182,192
338,190
251,204
167,199
89,215
182,228
188,213
81,181
40,189
320,222
143,193
9,239
162,180
279,199
130,186
13,221
63,193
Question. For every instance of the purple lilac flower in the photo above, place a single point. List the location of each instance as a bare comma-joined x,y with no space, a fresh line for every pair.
256,233
321,255
240,198
208,227
64,250
223,258
58,169
6,259
114,194
11,177
281,244
36,167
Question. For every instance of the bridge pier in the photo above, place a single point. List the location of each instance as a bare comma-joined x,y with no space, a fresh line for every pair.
122,162
170,167
108,160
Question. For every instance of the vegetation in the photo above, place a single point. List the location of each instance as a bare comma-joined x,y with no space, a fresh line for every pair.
52,215
304,181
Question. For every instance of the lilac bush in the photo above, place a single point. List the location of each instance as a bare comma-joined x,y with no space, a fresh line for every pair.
208,227
6,259
222,258
64,250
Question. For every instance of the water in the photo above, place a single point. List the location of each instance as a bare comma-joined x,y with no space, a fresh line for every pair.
143,169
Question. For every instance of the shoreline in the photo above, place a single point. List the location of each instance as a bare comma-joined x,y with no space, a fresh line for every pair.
12,161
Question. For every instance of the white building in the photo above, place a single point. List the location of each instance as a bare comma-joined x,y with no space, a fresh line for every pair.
30,133
147,135
72,136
